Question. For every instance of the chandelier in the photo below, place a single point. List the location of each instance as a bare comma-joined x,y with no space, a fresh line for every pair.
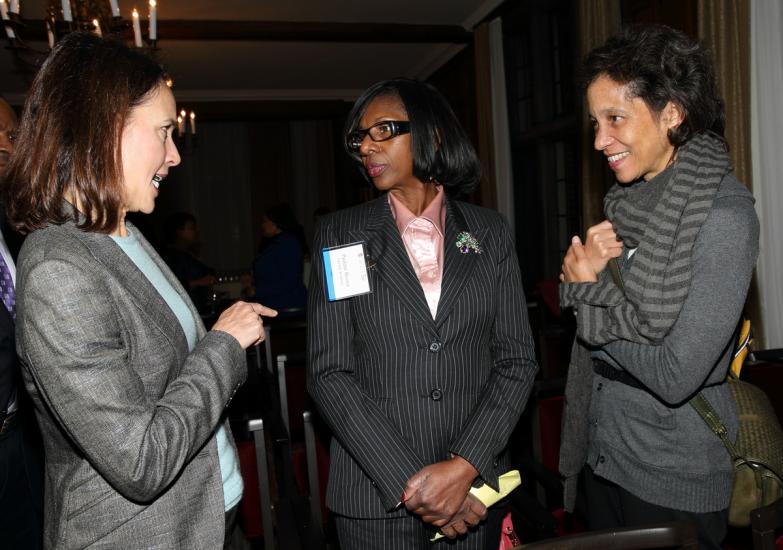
64,16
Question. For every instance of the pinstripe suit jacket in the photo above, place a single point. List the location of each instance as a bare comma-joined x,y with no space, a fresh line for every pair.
128,415
401,390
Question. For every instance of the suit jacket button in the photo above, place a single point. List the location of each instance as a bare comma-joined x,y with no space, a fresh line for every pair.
436,394
435,347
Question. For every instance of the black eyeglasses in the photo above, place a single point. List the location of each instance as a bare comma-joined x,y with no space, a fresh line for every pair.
380,131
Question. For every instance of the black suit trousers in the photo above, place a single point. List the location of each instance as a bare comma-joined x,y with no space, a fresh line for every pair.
410,533
21,487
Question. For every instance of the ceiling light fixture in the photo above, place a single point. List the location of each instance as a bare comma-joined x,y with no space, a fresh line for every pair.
103,17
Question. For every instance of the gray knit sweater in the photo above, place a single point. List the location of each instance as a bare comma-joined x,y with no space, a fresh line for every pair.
654,444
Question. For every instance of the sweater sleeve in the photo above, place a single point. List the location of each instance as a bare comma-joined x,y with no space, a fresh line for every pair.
724,256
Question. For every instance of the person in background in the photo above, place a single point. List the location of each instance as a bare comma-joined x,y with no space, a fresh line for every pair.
277,269
181,237
21,460
129,389
658,289
423,378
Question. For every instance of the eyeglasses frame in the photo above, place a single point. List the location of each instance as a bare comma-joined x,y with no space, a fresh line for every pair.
398,128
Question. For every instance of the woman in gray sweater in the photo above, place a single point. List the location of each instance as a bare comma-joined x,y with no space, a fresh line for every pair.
657,289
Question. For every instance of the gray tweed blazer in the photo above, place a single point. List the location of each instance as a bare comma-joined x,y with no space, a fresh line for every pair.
128,416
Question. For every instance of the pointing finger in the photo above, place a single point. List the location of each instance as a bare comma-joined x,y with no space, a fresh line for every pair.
263,310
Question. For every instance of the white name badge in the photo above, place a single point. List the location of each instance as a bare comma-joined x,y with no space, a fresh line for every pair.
346,271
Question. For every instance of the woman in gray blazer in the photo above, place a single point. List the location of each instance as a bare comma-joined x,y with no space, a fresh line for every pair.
423,371
128,387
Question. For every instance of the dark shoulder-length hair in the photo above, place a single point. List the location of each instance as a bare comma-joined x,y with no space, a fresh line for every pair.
69,136
440,147
660,64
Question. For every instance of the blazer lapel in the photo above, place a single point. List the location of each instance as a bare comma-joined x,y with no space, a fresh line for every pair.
457,267
147,299
174,282
386,255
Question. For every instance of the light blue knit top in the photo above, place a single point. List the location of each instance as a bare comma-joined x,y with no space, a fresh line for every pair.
229,465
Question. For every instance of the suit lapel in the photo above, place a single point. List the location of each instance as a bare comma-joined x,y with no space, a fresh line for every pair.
146,298
457,267
386,255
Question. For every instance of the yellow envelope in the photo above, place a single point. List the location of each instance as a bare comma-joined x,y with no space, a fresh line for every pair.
486,494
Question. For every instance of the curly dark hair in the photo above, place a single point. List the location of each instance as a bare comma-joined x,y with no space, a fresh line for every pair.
441,149
660,64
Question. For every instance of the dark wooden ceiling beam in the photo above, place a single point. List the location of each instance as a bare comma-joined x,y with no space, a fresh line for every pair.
291,31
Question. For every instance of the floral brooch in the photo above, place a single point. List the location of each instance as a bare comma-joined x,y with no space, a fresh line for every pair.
467,243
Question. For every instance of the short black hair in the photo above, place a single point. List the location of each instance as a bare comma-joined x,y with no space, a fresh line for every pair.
441,149
174,223
660,64
283,216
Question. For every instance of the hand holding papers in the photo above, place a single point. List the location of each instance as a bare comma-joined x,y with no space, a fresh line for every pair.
486,494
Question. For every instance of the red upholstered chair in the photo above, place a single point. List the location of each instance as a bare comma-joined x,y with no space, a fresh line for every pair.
250,511
537,507
294,399
311,470
256,506
546,431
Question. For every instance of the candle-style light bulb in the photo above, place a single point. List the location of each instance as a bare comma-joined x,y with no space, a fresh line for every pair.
4,16
49,34
136,28
192,123
180,125
97,26
14,7
153,20
67,11
115,8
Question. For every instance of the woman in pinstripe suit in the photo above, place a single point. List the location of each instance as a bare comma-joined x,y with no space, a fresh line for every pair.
422,379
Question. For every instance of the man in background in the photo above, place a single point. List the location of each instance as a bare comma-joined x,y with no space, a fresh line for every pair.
21,464
180,233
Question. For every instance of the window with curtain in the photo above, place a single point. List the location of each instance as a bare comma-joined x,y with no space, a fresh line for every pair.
540,52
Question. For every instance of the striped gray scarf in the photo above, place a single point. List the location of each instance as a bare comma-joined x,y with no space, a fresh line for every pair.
661,219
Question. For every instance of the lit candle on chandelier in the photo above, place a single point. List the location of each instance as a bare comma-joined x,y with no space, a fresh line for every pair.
136,29
115,8
192,123
180,125
97,26
153,20
4,15
67,11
